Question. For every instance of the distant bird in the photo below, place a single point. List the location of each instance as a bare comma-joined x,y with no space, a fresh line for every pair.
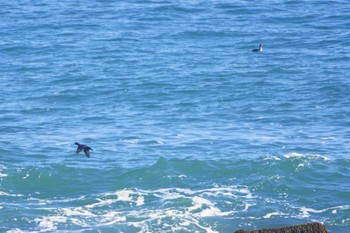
83,147
260,49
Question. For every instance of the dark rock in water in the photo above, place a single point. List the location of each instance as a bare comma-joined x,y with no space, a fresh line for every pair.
314,227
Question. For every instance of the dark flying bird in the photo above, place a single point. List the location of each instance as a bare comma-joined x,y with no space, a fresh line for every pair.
260,49
83,147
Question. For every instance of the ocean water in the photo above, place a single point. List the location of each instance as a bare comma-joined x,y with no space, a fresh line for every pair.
190,130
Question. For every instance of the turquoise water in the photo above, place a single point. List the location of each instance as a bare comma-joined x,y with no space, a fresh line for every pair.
190,130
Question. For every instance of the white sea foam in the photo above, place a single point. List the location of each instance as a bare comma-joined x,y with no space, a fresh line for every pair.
298,155
49,223
293,155
133,141
342,207
246,206
200,204
269,215
160,142
15,231
140,201
199,201
131,196
9,194
112,217
101,203
169,195
124,195
77,211
305,212
275,158
2,167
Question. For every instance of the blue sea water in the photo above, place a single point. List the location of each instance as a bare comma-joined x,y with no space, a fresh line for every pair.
190,130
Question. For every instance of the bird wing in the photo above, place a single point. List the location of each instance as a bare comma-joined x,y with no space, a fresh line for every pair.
87,152
78,149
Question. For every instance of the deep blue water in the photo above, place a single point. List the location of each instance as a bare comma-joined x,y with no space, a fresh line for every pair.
190,130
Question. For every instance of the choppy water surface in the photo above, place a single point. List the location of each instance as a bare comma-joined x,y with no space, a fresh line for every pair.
190,130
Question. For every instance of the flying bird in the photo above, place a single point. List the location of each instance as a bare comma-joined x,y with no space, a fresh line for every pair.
83,147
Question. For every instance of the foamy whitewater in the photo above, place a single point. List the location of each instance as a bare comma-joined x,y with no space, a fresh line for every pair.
191,131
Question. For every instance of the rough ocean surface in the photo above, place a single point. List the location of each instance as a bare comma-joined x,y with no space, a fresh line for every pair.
191,131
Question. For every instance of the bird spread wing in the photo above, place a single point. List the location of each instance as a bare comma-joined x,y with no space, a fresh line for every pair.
78,149
87,152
